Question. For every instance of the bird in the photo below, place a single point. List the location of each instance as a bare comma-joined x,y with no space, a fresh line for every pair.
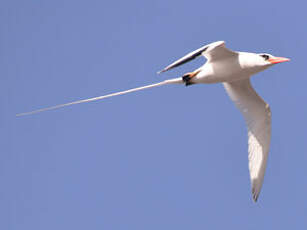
233,69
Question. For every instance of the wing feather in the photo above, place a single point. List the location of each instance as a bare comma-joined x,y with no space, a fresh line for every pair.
257,115
190,56
212,51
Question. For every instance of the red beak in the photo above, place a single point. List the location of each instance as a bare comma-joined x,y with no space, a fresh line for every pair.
276,60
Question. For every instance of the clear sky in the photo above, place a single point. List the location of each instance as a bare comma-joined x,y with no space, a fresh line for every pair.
172,157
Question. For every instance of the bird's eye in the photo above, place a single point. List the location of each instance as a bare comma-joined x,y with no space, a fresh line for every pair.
265,56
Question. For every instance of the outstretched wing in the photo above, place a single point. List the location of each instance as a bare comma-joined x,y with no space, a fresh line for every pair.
257,115
214,50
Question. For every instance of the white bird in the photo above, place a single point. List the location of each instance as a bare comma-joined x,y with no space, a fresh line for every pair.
234,70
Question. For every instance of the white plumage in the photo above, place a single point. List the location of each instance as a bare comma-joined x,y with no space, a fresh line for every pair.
257,116
233,69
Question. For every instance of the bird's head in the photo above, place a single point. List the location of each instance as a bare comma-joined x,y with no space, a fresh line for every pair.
258,62
265,59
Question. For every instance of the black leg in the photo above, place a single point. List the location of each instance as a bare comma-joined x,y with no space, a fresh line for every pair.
187,79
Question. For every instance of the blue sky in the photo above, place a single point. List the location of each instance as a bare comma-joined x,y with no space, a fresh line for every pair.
172,157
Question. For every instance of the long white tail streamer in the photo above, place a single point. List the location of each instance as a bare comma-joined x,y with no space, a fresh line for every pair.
170,81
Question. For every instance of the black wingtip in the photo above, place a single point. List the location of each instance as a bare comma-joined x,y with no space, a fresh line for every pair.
162,71
255,195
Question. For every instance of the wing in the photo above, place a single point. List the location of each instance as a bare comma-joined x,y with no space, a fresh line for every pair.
257,115
214,50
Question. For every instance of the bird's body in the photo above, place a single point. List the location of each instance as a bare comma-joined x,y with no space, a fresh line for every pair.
233,69
229,67
224,70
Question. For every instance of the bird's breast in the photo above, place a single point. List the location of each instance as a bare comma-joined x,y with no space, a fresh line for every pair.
226,70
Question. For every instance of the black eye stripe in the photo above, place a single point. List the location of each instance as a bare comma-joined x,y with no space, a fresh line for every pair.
265,56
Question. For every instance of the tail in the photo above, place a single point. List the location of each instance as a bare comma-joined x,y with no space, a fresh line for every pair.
170,81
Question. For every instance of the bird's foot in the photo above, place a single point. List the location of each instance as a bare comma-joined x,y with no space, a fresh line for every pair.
187,79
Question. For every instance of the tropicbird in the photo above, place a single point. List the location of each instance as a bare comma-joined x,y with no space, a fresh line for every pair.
234,70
